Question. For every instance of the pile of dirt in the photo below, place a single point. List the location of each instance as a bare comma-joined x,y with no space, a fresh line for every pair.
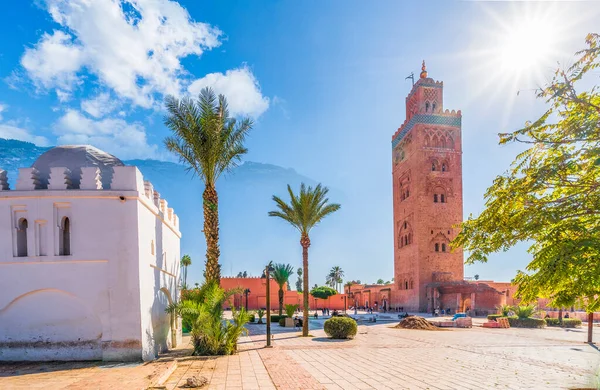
414,322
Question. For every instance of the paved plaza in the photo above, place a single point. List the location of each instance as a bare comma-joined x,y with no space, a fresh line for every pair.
380,357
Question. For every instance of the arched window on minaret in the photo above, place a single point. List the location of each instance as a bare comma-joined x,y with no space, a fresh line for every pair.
426,106
443,247
433,107
405,284
442,198
437,247
444,167
435,198
433,166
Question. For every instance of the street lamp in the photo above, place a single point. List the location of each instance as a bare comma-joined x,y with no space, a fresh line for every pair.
268,270
246,292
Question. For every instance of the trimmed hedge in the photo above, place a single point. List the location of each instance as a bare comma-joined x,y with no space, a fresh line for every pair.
252,318
492,317
566,322
282,321
276,318
340,327
516,322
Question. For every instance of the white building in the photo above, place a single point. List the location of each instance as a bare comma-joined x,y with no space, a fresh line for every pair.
89,259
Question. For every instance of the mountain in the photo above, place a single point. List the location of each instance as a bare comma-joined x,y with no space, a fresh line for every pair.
249,237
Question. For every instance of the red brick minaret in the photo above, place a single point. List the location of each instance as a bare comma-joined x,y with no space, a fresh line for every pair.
427,182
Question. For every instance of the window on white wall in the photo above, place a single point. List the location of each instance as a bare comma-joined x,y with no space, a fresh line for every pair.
42,248
64,237
22,238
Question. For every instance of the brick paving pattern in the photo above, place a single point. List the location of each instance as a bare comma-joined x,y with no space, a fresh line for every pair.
380,357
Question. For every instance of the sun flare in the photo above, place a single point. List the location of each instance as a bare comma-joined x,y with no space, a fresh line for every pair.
527,45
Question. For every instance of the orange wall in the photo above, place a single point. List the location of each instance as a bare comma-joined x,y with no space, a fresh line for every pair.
257,298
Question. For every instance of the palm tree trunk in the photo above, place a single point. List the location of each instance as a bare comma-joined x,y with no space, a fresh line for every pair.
211,232
590,326
305,242
280,300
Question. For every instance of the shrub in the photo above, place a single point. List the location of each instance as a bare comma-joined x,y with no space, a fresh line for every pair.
260,313
504,310
276,318
566,322
290,310
251,318
492,317
525,311
282,321
340,327
517,322
203,310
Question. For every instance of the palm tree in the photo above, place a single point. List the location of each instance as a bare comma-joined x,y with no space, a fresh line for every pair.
281,275
336,275
304,211
349,285
210,143
186,261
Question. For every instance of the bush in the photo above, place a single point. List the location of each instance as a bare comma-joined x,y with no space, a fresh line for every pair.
492,317
282,321
290,310
566,322
517,322
252,318
340,327
260,313
276,318
524,312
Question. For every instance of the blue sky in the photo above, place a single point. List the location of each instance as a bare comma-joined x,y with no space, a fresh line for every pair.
325,82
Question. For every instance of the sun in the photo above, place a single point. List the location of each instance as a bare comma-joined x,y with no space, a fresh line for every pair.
527,44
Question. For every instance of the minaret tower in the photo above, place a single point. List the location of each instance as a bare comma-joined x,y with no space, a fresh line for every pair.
427,189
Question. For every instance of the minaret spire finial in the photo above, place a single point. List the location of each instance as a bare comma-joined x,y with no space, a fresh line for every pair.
423,71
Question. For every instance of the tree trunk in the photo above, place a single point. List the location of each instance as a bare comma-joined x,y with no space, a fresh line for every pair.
211,233
590,326
305,242
560,315
280,300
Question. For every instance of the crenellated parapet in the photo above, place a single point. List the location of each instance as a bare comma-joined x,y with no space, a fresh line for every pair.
28,180
91,179
60,179
122,178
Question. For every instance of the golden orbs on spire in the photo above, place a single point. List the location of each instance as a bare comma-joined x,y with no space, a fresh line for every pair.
423,71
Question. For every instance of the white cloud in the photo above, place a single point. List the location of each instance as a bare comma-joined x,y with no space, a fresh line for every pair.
54,61
12,132
133,47
239,86
114,135
99,106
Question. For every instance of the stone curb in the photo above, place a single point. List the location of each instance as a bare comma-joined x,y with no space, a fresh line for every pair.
158,382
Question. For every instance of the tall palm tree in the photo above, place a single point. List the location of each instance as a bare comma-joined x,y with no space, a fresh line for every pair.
281,275
304,211
209,142
186,261
349,285
336,273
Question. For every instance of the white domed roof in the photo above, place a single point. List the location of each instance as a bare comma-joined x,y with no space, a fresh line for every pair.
75,157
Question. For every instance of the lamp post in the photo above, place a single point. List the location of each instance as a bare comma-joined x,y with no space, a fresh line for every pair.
268,269
246,292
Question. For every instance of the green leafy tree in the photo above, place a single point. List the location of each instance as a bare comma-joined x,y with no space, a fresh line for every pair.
380,281
209,142
299,280
304,212
186,261
322,292
550,195
281,275
202,310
